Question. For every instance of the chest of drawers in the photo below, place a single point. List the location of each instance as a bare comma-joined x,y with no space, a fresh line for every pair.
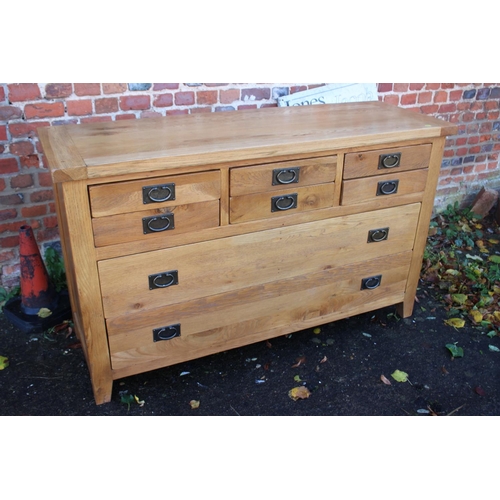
189,235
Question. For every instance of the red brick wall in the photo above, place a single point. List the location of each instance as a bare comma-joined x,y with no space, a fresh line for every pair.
471,157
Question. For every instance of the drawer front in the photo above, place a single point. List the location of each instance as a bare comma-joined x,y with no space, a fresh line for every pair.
282,202
159,223
383,161
390,185
154,193
130,284
277,176
172,334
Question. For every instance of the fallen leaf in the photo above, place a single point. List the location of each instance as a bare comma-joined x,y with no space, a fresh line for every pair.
456,352
299,361
493,348
194,404
140,403
385,380
299,393
480,391
317,331
4,362
444,370
494,258
324,360
297,378
459,298
399,376
455,322
476,316
44,312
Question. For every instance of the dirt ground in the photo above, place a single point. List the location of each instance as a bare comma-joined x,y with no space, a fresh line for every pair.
341,366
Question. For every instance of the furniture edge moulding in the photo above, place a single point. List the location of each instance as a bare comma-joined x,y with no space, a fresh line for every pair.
64,160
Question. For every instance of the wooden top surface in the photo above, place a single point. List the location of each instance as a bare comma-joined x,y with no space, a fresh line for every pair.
98,150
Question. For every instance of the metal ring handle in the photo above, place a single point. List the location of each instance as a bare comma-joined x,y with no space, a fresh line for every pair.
158,189
371,283
291,204
159,229
378,235
286,180
388,187
172,333
164,285
391,161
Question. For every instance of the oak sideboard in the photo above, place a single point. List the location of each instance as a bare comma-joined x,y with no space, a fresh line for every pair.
188,235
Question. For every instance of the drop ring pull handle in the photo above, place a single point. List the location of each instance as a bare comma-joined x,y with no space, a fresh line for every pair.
371,282
387,187
158,193
390,161
158,224
287,176
283,203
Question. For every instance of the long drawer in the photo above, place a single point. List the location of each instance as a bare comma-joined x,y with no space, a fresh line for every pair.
149,280
176,333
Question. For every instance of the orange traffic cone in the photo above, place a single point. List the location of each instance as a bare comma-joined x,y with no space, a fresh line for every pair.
36,291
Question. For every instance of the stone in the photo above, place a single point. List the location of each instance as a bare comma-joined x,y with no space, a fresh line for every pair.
484,201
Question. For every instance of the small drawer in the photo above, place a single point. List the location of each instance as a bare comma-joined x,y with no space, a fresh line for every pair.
277,176
154,193
378,187
159,223
383,161
283,202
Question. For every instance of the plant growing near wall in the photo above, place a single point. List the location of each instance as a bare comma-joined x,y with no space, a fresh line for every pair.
56,269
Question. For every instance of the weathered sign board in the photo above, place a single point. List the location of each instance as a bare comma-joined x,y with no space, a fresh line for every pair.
333,93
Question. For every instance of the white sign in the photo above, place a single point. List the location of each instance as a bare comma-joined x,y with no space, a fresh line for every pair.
331,94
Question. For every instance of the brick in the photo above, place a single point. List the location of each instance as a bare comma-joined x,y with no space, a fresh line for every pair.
165,86
21,181
432,86
9,213
2,93
177,112
206,97
3,133
114,88
201,109
50,222
150,114
9,242
106,105
184,98
408,99
29,161
21,148
41,196
8,166
385,87
83,89
44,179
44,110
7,256
391,99
139,86
80,107
10,113
12,199
134,102
34,211
417,86
441,96
11,227
229,96
58,90
424,97
19,92
255,94
125,117
483,94
163,100
93,119
216,84
484,201
25,129
447,108
429,109
495,93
